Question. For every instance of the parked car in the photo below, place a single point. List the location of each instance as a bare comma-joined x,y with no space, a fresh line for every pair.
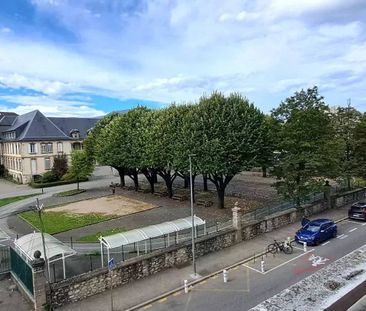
316,231
358,211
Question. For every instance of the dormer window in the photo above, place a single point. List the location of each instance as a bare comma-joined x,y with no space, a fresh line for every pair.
75,133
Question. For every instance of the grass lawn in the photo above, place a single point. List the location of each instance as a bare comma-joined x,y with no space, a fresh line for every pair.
14,199
55,222
94,237
69,193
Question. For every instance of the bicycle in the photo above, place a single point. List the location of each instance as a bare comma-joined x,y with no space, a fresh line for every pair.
280,247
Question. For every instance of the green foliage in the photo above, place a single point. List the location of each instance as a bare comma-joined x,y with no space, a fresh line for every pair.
55,222
304,145
49,176
56,183
360,148
60,165
69,193
94,237
345,121
81,166
6,201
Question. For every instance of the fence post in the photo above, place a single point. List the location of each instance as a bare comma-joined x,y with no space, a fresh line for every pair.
39,282
237,222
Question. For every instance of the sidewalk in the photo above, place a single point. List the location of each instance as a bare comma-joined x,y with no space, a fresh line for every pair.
142,290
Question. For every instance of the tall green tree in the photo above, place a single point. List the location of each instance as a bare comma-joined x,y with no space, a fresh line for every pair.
229,130
60,165
360,148
81,166
345,121
305,144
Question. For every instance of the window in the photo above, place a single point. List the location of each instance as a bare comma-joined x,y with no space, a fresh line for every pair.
32,148
59,147
47,148
47,163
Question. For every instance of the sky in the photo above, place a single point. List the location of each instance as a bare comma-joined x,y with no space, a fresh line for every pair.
89,57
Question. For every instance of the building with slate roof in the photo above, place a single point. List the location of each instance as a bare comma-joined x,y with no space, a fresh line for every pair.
29,142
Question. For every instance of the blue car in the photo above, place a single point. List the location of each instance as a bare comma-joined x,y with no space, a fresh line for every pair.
316,231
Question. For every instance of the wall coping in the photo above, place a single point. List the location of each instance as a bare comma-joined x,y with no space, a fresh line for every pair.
338,195
278,214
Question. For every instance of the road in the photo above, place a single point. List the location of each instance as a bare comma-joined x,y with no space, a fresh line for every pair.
248,286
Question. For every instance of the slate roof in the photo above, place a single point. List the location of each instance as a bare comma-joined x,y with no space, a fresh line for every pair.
81,124
36,126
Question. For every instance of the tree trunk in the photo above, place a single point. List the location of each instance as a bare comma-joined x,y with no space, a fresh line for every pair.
186,182
77,184
169,179
220,181
205,182
150,176
221,197
121,172
264,171
133,174
348,183
155,176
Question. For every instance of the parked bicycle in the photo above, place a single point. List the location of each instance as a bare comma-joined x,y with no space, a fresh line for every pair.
280,247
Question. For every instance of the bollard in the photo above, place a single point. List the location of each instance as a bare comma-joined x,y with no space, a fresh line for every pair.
262,266
305,244
186,286
225,275
288,240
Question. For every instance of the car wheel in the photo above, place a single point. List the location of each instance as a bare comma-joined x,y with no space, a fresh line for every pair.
316,242
334,234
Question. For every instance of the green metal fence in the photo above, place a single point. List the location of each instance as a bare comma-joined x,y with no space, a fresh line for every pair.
4,259
22,270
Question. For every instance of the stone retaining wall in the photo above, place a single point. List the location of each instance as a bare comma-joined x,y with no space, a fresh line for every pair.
91,283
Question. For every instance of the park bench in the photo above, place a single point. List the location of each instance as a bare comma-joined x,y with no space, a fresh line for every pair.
204,203
179,197
161,194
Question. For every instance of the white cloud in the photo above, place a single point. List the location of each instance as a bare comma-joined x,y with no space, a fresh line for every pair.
5,30
51,106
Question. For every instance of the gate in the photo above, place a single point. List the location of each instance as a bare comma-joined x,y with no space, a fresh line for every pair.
22,270
4,259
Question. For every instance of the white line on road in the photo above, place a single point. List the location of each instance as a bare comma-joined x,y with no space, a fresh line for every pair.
353,229
364,224
325,243
289,261
343,237
340,236
353,222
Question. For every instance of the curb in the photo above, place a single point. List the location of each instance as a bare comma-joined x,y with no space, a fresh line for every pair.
180,288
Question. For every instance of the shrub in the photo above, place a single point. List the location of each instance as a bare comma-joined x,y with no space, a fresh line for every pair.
49,176
54,183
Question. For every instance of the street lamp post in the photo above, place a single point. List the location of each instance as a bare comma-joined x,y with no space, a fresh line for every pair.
192,215
39,209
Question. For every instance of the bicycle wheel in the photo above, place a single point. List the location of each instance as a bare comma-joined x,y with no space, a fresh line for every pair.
288,249
272,248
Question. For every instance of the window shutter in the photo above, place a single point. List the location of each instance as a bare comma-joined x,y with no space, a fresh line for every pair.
29,148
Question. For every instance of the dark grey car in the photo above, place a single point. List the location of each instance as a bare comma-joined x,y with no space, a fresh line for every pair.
358,211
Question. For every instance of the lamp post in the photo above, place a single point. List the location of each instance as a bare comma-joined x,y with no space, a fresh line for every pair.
192,215
39,209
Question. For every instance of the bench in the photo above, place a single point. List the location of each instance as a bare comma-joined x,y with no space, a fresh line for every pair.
204,203
180,197
160,194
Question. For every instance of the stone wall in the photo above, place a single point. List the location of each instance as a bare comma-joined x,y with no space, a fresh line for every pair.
91,283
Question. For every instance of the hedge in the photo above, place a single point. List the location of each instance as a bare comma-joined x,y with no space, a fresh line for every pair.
55,183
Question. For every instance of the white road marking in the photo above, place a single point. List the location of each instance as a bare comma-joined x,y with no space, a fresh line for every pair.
340,236
343,237
353,222
325,243
364,224
353,229
300,248
289,261
317,260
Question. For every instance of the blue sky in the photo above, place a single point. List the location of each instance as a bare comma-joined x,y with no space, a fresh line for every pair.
86,58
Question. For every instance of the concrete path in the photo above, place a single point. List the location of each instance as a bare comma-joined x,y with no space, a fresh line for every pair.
145,289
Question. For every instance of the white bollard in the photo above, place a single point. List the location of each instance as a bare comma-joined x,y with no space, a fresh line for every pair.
288,240
185,286
225,274
262,266
305,247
